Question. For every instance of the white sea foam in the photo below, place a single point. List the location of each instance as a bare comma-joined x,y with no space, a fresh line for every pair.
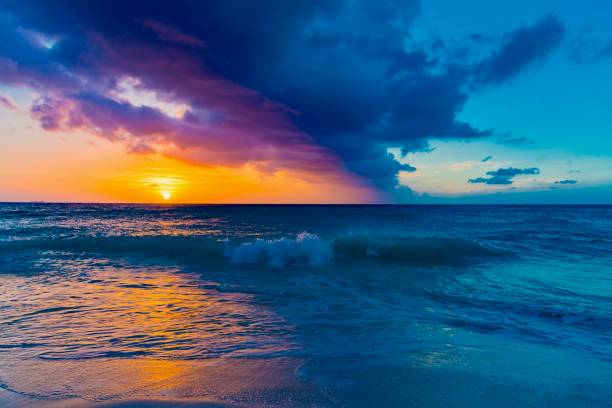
305,249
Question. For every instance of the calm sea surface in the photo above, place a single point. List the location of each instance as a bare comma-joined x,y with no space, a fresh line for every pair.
318,306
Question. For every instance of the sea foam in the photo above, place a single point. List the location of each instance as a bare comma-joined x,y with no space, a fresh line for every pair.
306,249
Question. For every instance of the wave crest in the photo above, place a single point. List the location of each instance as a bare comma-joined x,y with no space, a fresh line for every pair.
305,249
408,250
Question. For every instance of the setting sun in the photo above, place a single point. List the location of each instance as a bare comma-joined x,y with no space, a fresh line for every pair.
352,203
166,185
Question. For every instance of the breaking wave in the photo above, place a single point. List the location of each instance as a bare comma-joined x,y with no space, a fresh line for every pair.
305,249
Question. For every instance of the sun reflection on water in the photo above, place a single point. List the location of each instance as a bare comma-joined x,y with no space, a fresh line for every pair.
132,326
136,312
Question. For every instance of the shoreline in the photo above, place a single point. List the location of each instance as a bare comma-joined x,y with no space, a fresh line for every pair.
149,383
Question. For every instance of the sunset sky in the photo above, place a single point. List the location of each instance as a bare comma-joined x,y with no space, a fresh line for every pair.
306,102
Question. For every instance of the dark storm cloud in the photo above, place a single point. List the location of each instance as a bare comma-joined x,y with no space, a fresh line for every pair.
522,47
312,82
172,35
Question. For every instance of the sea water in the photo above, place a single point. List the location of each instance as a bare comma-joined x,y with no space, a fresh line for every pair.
339,306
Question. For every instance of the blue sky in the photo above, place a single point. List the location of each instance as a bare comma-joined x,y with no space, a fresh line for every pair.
560,108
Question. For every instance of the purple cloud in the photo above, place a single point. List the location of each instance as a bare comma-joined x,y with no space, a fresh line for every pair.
225,124
172,35
7,103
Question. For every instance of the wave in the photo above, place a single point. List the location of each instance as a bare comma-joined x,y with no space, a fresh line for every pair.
305,249
164,246
410,250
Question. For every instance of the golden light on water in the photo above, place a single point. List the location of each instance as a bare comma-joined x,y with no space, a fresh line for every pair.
167,318
152,305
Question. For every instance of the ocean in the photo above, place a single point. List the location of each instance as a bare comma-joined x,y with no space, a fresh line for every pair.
306,306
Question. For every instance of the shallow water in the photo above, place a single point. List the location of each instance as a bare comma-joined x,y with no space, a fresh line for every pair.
426,306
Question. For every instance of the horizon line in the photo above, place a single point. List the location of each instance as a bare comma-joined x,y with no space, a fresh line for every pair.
300,204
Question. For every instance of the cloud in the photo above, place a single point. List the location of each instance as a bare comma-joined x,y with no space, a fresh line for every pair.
486,159
225,141
172,35
316,87
503,176
586,47
408,168
6,102
566,182
522,47
605,51
509,140
491,180
511,172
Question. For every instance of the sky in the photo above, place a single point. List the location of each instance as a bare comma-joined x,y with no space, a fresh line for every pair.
403,101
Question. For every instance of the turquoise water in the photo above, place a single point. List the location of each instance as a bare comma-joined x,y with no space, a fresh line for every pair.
425,306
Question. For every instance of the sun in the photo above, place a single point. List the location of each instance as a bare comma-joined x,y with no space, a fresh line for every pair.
167,186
